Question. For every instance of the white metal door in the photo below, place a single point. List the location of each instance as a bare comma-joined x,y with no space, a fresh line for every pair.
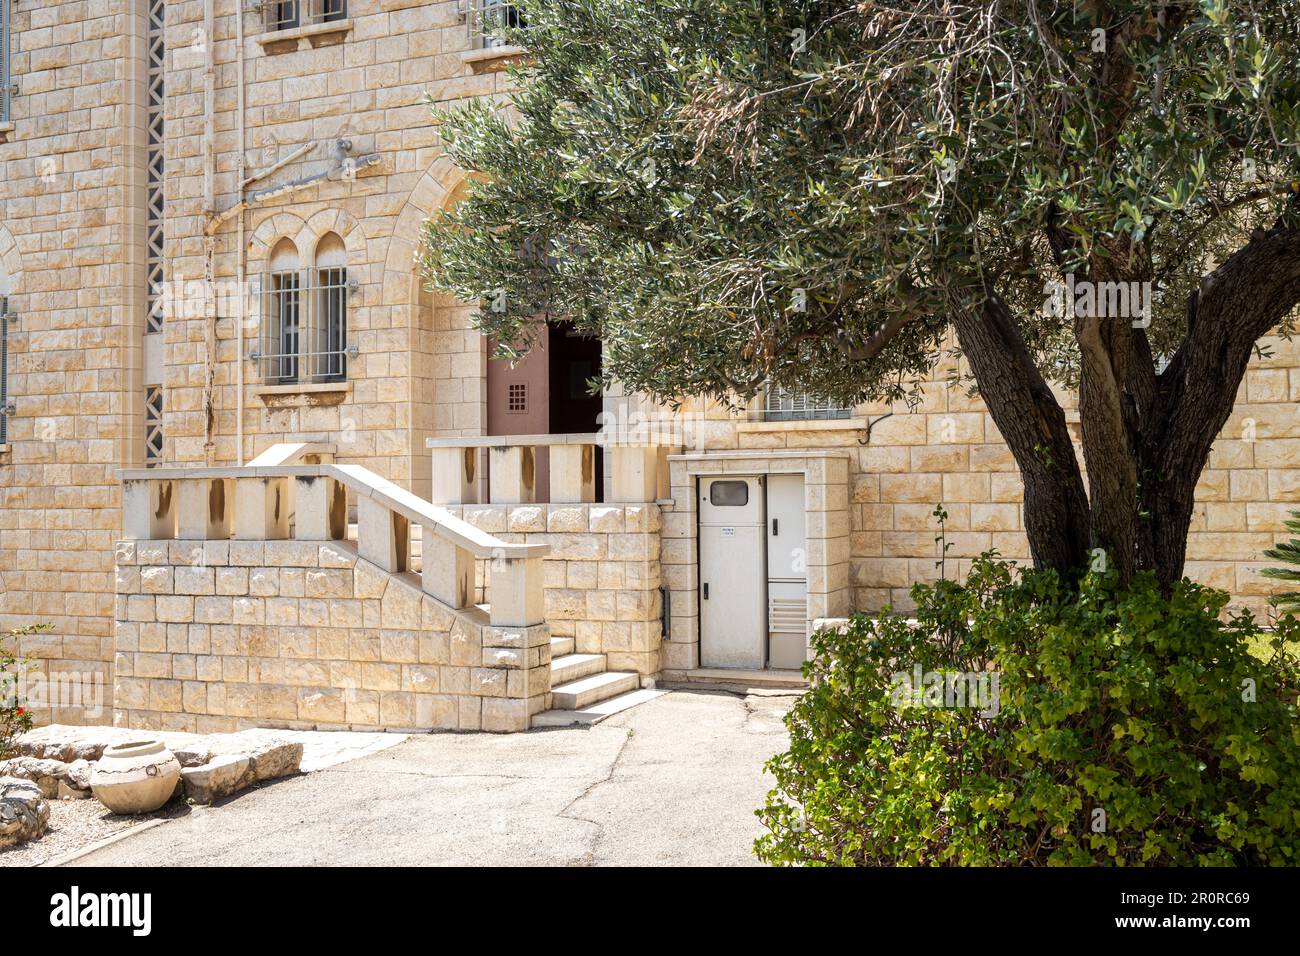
787,572
732,580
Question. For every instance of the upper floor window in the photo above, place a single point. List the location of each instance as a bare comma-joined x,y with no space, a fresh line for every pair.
484,17
288,14
786,406
6,81
304,337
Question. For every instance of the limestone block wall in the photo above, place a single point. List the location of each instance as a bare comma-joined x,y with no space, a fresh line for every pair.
221,635
602,575
944,448
825,475
420,368
70,207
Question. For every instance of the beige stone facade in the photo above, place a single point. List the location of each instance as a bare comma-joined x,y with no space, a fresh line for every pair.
323,131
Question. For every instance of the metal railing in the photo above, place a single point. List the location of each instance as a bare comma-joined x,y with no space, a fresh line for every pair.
482,17
780,405
288,14
304,330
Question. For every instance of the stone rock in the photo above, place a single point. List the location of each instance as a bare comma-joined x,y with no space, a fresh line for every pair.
72,793
245,759
193,755
24,811
68,743
78,776
46,774
216,779
276,760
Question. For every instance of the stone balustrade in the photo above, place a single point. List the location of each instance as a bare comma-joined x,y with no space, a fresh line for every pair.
638,471
254,503
378,647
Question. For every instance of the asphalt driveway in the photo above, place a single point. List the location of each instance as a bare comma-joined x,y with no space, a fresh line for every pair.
672,781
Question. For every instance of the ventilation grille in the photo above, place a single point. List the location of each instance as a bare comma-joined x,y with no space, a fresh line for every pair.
153,425
154,107
787,615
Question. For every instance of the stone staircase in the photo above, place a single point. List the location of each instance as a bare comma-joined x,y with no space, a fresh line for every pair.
583,692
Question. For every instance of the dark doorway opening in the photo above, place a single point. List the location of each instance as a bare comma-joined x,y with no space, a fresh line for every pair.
574,365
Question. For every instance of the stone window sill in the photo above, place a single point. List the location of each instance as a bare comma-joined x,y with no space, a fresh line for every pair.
5,130
492,59
809,425
311,32
322,393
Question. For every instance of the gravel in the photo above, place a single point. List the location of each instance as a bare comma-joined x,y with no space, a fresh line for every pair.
76,824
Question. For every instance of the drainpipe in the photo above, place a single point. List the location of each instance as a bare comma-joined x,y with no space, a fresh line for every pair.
242,251
210,241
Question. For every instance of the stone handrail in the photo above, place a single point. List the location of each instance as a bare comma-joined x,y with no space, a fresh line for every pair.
638,470
195,504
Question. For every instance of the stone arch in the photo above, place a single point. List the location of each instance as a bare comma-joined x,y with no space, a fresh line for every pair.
438,185
337,221
448,385
11,259
281,225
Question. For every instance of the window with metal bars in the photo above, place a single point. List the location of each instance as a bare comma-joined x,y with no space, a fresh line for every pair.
304,337
153,425
6,82
288,14
781,405
483,17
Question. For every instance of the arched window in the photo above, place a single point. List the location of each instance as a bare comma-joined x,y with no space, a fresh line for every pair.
330,320
282,312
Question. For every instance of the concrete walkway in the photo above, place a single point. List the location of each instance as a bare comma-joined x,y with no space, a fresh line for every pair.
673,781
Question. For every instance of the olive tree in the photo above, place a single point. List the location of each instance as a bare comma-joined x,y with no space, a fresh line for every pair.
1098,197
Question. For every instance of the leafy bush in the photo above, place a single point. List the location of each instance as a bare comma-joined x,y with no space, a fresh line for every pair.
1287,552
1126,728
15,717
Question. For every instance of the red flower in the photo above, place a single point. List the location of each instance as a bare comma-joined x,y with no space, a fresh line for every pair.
21,711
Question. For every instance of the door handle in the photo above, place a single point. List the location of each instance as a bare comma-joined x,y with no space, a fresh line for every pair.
706,591
775,525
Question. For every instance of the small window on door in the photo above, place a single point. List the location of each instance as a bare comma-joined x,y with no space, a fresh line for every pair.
729,494
517,398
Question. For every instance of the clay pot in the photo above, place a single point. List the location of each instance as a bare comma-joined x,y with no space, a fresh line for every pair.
137,777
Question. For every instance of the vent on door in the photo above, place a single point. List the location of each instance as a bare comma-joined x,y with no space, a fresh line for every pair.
787,615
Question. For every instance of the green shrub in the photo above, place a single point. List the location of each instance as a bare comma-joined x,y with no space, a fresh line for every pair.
1288,552
1127,728
15,717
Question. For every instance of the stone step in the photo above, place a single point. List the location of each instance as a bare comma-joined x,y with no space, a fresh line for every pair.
570,667
582,693
561,646
594,713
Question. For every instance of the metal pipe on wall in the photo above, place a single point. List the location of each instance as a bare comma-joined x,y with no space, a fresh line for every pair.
242,251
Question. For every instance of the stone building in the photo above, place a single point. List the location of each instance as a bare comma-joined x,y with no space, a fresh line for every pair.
229,398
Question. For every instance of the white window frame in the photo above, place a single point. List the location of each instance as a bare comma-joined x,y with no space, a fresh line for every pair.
279,15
